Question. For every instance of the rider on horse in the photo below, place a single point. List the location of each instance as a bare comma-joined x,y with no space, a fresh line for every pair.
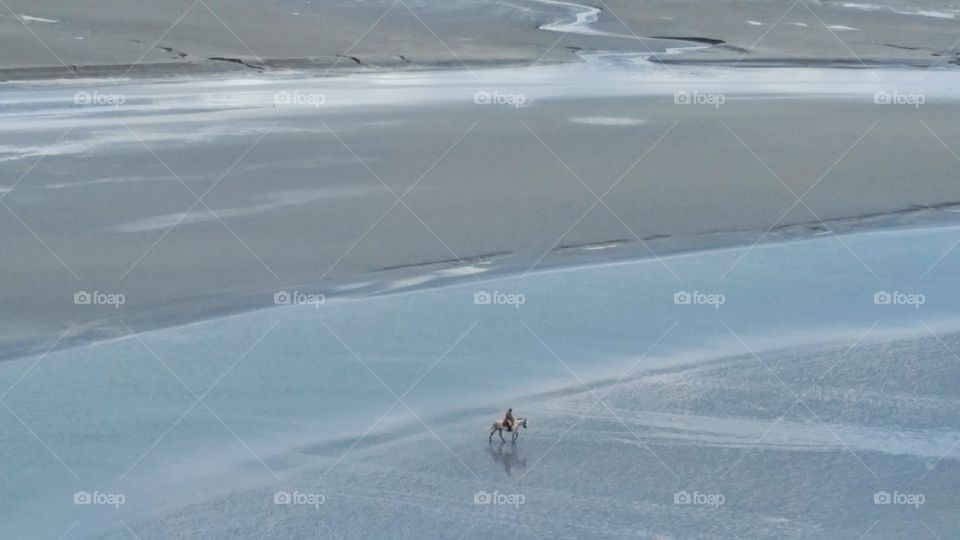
508,420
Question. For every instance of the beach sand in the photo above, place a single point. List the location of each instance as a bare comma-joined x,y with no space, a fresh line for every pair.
253,249
479,182
47,38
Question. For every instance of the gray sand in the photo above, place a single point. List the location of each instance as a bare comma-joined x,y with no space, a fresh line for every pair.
106,207
113,38
85,217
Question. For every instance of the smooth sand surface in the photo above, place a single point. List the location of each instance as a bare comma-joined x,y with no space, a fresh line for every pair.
99,211
306,196
48,38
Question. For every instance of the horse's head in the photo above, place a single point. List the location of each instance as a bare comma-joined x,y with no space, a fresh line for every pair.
523,422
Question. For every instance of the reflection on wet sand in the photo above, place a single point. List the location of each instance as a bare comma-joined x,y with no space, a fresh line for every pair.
508,455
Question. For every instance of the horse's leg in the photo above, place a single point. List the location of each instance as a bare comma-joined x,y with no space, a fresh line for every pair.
515,435
500,432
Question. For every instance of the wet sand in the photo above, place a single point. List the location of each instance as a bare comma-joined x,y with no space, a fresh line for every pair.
481,182
167,207
523,184
47,38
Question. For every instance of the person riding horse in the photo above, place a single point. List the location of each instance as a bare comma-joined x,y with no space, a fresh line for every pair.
508,420
510,424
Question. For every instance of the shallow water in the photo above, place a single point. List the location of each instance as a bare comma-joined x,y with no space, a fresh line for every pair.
287,391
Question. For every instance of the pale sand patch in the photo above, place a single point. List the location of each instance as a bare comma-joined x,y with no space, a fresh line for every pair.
607,121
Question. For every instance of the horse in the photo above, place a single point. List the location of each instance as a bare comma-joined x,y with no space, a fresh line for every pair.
498,427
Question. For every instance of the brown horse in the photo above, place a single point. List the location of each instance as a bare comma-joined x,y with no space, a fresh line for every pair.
498,427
